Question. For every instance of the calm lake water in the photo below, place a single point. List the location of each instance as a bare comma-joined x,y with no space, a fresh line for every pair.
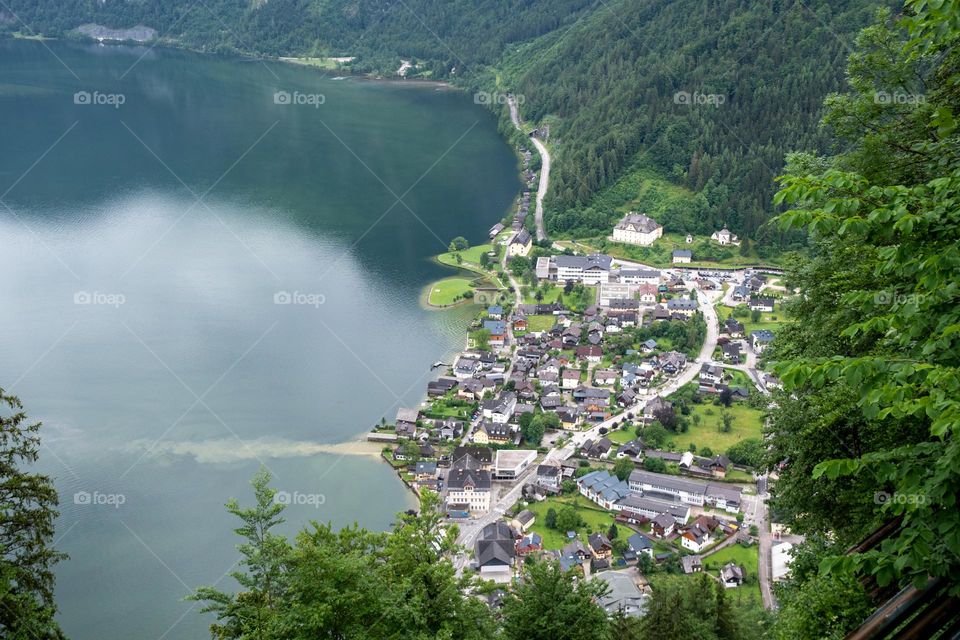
156,205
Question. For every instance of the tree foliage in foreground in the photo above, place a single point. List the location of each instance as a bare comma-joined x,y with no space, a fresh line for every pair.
28,508
870,422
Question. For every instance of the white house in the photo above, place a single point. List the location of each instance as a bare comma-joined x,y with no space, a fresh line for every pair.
682,256
724,237
468,489
636,228
639,276
520,244
500,410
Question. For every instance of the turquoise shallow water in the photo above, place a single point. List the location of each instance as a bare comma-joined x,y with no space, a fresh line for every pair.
148,248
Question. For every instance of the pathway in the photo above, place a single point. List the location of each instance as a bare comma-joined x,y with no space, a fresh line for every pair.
544,168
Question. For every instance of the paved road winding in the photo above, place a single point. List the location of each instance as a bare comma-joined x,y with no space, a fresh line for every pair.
544,168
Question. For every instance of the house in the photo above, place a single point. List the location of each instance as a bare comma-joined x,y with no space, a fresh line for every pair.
672,362
653,407
697,535
600,546
741,292
519,323
473,389
591,353
441,386
599,449
570,417
492,433
648,346
498,332
723,496
682,256
757,303
604,377
407,422
520,243
731,575
640,543
495,550
499,410
731,352
468,487
692,564
733,328
637,228
760,340
632,449
592,269
622,595
425,471
483,456
682,306
725,237
710,375
495,312
529,544
549,476
524,520
495,230
570,378
663,525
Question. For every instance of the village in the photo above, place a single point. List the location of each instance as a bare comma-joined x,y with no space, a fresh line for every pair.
606,414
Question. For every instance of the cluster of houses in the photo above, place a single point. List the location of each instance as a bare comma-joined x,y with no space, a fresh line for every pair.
520,241
501,546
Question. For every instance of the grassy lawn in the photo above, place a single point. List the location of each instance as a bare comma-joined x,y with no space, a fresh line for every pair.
540,323
749,593
448,291
550,294
620,436
747,423
596,519
471,257
735,475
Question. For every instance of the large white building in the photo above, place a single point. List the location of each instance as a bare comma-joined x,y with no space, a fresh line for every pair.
468,489
520,243
637,228
592,269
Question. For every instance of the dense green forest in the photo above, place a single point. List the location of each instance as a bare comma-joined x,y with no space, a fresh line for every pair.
603,75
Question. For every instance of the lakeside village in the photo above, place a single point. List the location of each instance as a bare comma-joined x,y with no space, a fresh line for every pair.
606,414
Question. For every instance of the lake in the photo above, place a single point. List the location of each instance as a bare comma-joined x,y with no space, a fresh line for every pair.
209,265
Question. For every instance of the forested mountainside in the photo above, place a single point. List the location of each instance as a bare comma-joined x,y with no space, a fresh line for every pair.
623,86
449,36
611,78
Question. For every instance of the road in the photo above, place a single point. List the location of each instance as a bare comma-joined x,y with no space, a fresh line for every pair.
764,568
544,169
